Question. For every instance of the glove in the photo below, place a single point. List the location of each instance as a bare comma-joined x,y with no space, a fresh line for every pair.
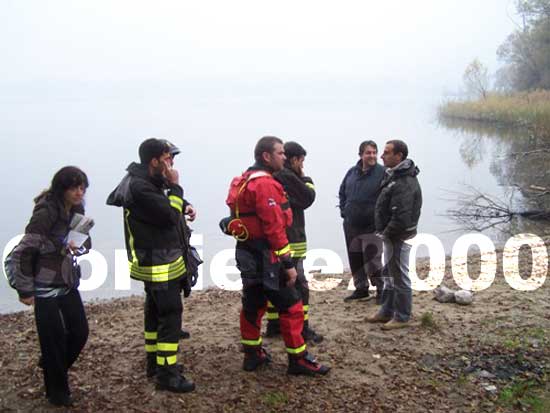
186,286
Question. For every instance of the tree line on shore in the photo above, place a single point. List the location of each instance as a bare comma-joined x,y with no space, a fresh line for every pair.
518,94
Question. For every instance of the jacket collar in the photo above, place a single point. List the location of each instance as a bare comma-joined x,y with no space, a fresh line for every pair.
405,167
142,171
260,167
359,168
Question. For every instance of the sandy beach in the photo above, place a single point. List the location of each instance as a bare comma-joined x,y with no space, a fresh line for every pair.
452,359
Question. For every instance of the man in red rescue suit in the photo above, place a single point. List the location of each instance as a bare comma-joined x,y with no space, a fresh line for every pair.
261,213
301,194
154,211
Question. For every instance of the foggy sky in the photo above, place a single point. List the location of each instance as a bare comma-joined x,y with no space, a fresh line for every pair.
171,40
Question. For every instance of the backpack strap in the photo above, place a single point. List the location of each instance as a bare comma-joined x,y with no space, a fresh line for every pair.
252,176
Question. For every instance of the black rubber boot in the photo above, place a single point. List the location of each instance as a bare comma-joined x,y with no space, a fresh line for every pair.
310,335
151,369
273,328
61,400
255,357
170,379
306,365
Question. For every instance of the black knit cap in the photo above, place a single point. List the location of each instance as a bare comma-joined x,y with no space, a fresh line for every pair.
294,149
153,148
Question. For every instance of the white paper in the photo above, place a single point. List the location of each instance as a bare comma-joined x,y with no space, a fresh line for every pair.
77,238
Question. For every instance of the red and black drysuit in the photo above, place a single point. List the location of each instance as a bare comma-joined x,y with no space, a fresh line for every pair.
264,211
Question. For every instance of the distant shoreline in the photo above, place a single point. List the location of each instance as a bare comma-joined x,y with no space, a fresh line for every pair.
529,110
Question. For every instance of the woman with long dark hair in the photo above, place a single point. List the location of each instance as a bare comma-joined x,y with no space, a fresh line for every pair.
48,277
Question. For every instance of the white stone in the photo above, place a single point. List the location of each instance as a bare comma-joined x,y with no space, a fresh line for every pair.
464,297
444,295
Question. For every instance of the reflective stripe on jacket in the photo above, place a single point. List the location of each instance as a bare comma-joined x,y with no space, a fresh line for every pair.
301,195
153,225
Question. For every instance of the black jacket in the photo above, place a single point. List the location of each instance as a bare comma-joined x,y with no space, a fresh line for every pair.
358,193
301,194
153,224
399,203
41,253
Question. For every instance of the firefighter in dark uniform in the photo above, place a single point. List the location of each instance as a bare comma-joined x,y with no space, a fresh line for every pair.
154,211
259,216
301,194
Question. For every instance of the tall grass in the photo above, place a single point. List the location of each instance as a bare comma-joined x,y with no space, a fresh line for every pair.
528,109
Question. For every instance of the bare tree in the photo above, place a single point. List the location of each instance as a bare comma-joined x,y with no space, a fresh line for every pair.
476,79
477,211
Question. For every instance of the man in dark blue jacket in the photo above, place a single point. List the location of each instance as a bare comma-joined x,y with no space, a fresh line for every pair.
358,194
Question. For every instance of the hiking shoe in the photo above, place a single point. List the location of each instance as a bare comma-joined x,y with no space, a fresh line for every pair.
311,336
393,324
377,318
306,365
184,334
255,357
358,295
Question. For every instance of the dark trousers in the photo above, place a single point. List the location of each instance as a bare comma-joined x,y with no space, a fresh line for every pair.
62,331
162,318
301,286
365,257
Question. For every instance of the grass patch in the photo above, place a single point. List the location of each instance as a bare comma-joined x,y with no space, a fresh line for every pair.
462,380
524,339
525,396
275,399
427,321
512,343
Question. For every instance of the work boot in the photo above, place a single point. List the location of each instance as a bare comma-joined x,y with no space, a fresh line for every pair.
151,369
358,295
305,364
254,357
184,334
169,379
61,400
273,328
310,335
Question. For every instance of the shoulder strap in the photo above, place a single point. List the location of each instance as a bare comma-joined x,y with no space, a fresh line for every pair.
252,176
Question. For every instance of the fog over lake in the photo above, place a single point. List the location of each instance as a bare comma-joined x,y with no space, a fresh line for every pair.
74,94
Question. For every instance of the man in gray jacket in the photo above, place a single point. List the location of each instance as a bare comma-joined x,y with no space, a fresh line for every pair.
396,218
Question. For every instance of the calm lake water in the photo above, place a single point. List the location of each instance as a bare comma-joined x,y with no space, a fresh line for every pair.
216,127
